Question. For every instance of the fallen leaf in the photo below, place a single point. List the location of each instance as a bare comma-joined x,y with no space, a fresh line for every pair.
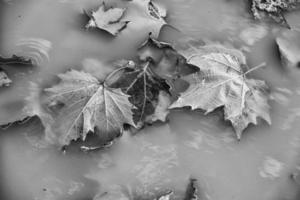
289,47
222,82
273,10
4,80
145,89
80,104
107,19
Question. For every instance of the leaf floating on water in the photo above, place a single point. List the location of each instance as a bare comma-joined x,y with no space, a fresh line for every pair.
82,104
289,47
273,10
148,92
222,82
107,19
4,80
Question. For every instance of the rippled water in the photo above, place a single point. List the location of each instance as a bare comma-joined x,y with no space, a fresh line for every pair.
164,156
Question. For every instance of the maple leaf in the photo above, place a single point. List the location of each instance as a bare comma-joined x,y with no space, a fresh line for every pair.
4,80
273,9
107,19
80,104
222,82
148,92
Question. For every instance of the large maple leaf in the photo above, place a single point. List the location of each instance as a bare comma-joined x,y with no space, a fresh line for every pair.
222,82
80,104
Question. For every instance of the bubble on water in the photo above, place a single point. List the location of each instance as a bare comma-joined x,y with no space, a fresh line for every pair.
290,120
152,169
281,95
271,168
253,34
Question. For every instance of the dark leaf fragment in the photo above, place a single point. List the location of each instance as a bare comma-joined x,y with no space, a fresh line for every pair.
148,92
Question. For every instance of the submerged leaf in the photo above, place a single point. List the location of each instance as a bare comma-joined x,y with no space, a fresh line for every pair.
80,104
169,64
107,19
273,9
222,82
191,190
148,92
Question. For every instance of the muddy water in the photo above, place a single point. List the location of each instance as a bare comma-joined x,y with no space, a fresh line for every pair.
161,157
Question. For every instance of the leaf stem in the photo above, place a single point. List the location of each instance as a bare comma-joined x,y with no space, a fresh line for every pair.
255,68
113,73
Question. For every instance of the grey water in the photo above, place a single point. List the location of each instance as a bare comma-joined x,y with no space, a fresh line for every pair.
164,156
